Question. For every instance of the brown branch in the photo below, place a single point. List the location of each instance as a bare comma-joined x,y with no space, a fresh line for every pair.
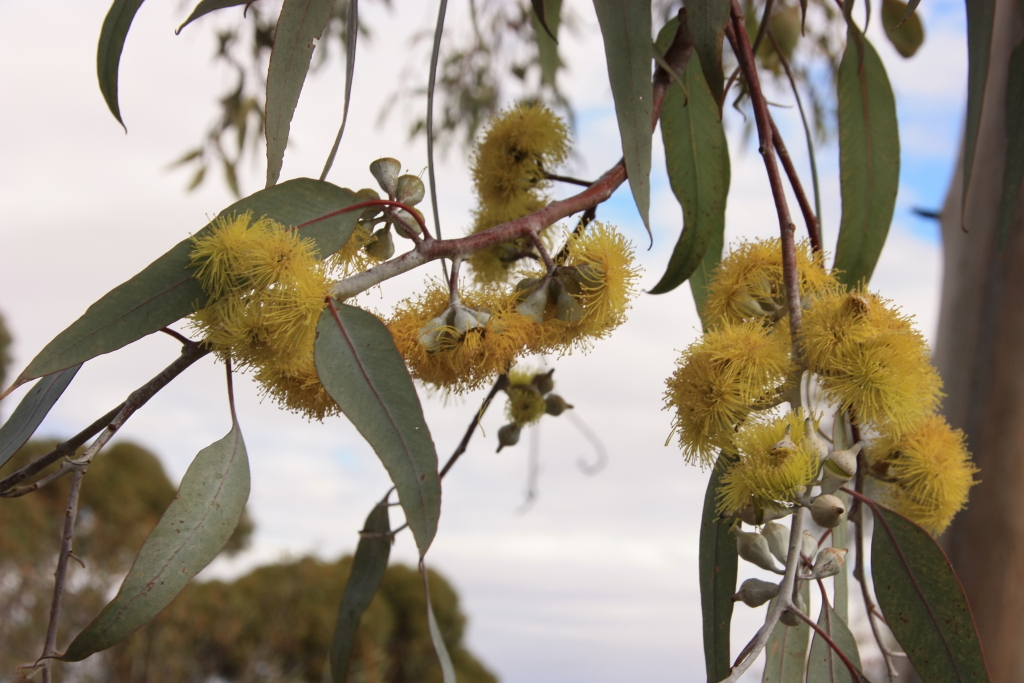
568,179
499,385
813,232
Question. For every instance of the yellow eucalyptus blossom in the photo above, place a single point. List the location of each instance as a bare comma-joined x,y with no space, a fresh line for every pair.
775,462
720,379
352,257
453,355
525,404
927,470
266,291
748,284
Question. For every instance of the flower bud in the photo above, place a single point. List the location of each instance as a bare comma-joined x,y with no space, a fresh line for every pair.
567,309
534,304
406,224
465,318
508,435
386,171
370,212
383,245
830,562
748,306
409,190
760,514
816,443
543,382
789,618
808,545
556,405
827,511
753,547
755,592
778,540
839,468
786,443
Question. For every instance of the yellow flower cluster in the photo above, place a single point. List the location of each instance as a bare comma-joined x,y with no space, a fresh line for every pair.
525,404
508,166
266,289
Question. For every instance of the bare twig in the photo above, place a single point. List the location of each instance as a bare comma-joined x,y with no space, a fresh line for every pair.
568,179
499,385
177,335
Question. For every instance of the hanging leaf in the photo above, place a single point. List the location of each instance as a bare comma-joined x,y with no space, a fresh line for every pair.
923,602
717,568
548,13
368,565
546,21
981,17
902,27
787,648
26,418
626,29
911,6
697,159
301,22
823,664
207,6
351,39
363,372
190,534
1014,169
108,53
869,159
842,439
440,649
701,277
166,291
707,20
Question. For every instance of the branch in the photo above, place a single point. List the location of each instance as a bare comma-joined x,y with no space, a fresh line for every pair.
499,385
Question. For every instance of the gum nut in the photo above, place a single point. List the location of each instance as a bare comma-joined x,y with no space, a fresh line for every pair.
778,540
789,617
407,223
466,319
383,245
543,382
409,190
370,212
533,306
817,443
567,309
555,405
588,276
830,562
755,592
749,306
385,170
808,545
762,514
786,442
827,511
432,334
508,435
834,475
753,548
844,463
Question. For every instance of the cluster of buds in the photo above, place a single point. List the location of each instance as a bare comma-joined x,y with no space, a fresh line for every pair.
529,399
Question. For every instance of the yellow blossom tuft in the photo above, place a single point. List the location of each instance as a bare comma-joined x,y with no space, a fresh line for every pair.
927,470
525,404
748,285
266,290
459,360
352,257
720,379
772,466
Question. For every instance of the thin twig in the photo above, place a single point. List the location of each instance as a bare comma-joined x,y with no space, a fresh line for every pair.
177,335
499,385
568,179
543,251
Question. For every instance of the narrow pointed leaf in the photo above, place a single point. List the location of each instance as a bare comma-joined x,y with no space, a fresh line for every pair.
626,29
301,22
717,568
841,581
548,13
351,39
207,6
108,52
363,372
27,417
440,649
697,158
546,32
190,534
1014,171
701,277
787,648
923,602
869,159
166,291
823,664
911,6
981,17
368,565
707,20
903,28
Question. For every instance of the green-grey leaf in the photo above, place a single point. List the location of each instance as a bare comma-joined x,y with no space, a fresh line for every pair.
787,648
440,649
545,28
1014,170
869,159
351,40
301,22
911,6
841,581
363,372
207,6
108,52
923,602
823,664
981,17
196,525
701,277
707,20
26,418
697,159
626,29
717,568
368,565
902,27
166,291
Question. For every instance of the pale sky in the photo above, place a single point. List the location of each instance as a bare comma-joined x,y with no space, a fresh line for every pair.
598,581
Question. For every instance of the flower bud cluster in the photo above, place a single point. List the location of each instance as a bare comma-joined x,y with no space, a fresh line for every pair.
529,399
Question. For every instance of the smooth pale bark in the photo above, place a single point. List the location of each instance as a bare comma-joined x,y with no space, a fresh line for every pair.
980,355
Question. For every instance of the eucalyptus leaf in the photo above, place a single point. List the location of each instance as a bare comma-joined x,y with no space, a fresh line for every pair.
301,22
27,417
546,31
787,647
443,658
707,20
190,534
1014,169
902,27
626,30
823,664
981,17
207,6
363,372
717,566
108,52
701,278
